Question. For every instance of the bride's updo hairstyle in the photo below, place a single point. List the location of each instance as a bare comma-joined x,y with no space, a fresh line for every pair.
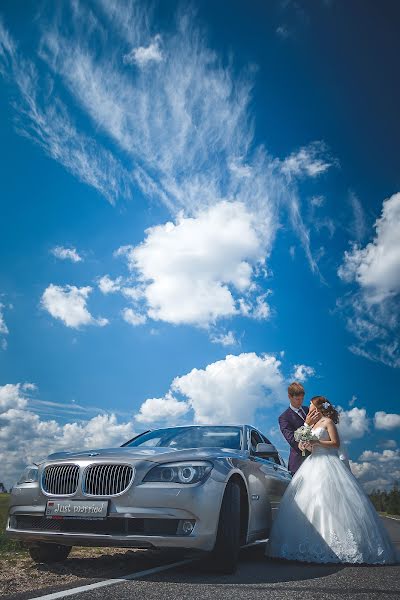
325,408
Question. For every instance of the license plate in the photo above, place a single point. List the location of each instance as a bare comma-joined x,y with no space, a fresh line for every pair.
78,509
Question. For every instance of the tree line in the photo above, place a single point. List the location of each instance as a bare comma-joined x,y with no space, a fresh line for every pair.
388,502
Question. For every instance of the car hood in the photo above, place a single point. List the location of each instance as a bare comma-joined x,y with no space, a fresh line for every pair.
150,454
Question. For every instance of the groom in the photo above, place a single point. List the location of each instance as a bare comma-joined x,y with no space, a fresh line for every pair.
294,417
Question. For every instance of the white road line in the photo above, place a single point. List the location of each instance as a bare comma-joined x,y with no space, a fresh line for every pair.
100,584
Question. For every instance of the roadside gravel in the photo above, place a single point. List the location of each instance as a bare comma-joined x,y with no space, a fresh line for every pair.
18,573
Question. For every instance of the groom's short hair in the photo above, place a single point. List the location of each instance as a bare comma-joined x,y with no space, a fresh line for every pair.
295,389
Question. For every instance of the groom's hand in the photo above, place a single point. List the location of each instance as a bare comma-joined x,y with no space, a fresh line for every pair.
313,416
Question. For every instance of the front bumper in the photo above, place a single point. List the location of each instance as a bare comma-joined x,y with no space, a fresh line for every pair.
144,503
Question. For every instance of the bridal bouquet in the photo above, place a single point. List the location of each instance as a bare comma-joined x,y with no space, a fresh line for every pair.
304,434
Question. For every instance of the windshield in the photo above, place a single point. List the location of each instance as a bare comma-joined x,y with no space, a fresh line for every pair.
192,437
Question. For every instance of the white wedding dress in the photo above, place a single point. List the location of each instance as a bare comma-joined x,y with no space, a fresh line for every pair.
326,517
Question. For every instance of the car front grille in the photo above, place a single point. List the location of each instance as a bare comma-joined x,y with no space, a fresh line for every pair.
115,526
60,480
107,479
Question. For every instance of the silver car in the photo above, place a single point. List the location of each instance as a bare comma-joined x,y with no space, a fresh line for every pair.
203,488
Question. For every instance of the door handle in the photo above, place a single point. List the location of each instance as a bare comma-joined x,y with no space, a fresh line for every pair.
275,467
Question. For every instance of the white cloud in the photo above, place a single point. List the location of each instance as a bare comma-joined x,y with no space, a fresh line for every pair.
225,339
68,304
376,267
359,228
353,400
377,470
3,326
317,201
388,444
108,285
167,409
66,254
132,317
144,55
201,268
385,456
353,424
386,421
229,390
302,372
372,310
309,161
25,437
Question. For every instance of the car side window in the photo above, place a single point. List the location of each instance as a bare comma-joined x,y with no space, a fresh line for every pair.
255,438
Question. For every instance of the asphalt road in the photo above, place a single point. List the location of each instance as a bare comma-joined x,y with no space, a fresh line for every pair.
257,577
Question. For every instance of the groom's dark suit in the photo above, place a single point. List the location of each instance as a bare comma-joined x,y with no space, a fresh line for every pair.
289,421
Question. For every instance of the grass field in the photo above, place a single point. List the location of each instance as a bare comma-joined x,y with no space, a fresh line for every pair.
6,545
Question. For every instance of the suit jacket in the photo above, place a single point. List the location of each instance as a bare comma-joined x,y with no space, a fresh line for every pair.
289,421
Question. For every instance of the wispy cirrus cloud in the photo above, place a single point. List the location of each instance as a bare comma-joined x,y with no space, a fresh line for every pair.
184,122
42,117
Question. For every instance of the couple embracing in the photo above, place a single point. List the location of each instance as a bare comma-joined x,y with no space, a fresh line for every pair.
324,516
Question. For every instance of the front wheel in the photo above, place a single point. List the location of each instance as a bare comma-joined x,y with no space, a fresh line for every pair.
225,555
49,553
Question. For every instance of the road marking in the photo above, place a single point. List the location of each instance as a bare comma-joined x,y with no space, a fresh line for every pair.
100,584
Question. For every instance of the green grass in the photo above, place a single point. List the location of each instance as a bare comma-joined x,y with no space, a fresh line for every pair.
6,545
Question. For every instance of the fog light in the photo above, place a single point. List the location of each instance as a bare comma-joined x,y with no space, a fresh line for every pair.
13,522
187,527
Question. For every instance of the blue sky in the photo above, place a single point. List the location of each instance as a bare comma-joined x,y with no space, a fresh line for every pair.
198,205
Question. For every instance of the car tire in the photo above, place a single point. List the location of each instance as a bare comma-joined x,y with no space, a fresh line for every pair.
225,555
49,553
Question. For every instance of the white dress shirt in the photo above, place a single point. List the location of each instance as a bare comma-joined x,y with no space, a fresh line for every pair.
300,411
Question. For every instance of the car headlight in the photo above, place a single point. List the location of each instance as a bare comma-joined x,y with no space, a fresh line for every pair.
29,475
180,472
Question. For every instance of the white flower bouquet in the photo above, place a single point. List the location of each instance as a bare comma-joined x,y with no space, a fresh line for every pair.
304,434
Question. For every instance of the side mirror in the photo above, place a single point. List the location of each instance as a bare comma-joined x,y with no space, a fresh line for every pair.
266,450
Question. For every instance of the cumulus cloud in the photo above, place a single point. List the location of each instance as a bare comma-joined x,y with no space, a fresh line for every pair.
66,254
372,309
226,391
225,339
377,470
68,304
167,409
376,267
132,317
353,424
144,55
309,161
302,372
386,421
107,285
200,269
26,438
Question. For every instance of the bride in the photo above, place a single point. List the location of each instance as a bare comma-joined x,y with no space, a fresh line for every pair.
324,515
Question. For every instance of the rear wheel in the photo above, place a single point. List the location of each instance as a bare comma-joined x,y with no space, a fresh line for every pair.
224,557
49,553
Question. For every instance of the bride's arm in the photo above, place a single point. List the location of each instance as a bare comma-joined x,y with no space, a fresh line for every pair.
334,442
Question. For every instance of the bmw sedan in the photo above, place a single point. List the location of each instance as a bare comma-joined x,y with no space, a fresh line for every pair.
195,488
